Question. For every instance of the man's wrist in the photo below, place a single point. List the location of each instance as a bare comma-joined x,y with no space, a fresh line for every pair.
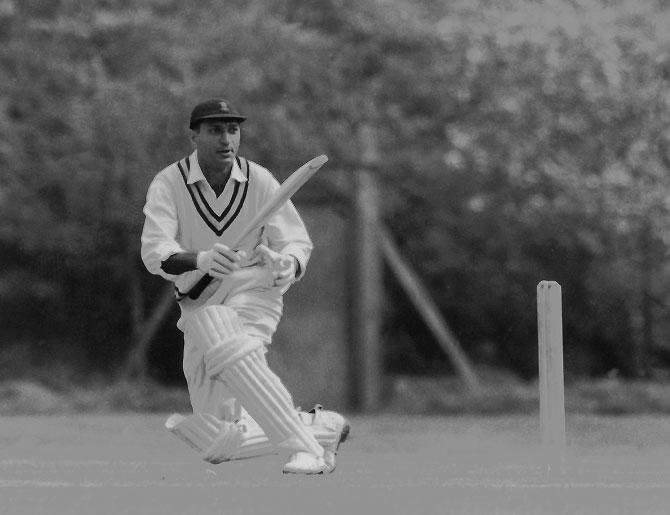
200,260
180,262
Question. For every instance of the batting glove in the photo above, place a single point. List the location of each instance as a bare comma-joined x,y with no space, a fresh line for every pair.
219,261
283,266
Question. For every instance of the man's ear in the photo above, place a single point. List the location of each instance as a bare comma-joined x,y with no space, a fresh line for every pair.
192,135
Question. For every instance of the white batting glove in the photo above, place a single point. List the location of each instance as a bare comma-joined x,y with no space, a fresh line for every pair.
284,267
219,261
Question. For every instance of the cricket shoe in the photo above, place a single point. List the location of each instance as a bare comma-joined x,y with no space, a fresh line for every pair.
330,429
303,462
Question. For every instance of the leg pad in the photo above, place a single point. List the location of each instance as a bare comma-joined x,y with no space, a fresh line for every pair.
197,431
218,441
213,326
239,362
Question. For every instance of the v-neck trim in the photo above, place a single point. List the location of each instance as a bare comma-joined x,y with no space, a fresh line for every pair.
207,209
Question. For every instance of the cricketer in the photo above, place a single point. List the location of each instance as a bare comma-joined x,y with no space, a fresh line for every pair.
195,209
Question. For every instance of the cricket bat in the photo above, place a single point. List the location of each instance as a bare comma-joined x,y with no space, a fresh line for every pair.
287,189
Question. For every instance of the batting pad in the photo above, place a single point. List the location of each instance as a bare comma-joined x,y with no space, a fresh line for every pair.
255,443
266,399
218,441
219,327
228,441
198,431
239,362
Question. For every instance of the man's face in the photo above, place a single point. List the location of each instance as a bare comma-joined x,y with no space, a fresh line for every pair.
217,142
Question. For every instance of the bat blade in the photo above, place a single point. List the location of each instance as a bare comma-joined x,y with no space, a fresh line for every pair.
287,189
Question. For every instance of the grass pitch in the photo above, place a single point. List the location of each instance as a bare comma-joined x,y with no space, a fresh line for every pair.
127,464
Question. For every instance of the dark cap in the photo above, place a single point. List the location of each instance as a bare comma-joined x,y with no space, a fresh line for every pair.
214,108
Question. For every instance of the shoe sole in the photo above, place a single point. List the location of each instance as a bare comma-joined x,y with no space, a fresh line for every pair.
344,434
343,438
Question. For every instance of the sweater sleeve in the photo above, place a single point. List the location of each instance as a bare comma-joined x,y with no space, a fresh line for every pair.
161,227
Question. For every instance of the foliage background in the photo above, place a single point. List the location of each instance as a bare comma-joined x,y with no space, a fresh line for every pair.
519,141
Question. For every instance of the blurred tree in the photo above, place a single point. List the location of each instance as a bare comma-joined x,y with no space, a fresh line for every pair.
83,135
553,171
520,142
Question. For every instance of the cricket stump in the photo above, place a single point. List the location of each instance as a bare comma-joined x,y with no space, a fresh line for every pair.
551,384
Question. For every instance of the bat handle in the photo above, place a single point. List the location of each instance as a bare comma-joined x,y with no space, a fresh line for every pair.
199,287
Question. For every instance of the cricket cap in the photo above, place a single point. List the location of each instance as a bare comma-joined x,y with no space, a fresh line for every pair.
214,108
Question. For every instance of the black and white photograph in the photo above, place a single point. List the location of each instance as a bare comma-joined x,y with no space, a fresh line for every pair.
334,257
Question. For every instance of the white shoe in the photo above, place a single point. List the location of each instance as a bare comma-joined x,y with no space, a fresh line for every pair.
324,423
305,463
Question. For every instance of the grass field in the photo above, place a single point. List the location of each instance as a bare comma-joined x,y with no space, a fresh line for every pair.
126,464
